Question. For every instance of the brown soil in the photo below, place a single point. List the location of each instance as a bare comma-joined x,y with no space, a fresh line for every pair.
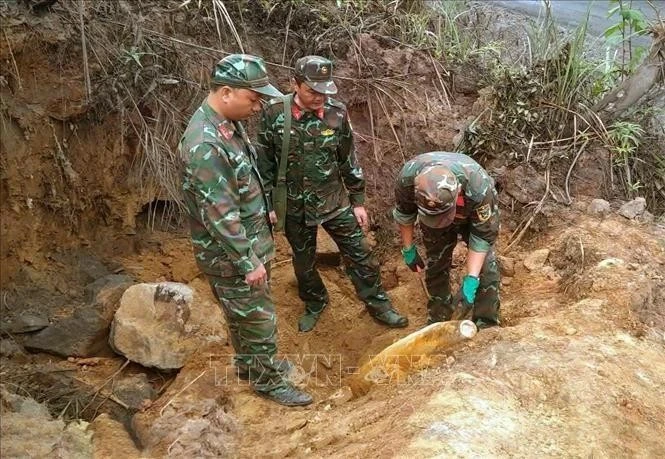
576,370
562,376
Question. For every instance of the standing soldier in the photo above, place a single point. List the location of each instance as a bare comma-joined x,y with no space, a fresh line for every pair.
229,225
312,176
451,195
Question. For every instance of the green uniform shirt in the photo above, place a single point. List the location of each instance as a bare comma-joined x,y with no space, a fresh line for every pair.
479,202
323,175
224,196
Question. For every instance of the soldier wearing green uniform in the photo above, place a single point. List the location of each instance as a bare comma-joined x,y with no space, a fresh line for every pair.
450,194
228,219
323,185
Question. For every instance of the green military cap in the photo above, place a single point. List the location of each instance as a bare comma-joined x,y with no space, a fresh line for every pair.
316,72
436,189
244,71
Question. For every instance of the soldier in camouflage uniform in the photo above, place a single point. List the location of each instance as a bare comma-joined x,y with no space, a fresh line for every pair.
450,195
325,186
228,218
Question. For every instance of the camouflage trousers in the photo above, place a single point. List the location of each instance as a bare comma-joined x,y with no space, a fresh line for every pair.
440,244
361,266
250,315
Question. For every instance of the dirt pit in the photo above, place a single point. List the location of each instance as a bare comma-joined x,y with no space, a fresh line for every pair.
576,369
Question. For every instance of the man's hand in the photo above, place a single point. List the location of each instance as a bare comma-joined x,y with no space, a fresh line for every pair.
361,216
412,259
273,217
466,298
257,277
469,288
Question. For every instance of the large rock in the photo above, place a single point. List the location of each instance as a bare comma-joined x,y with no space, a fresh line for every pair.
192,419
85,332
111,440
28,430
633,208
152,327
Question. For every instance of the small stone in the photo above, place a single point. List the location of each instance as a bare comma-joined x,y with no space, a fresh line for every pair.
570,331
134,390
536,259
551,274
611,263
341,396
647,217
506,266
450,360
633,208
9,348
506,281
598,207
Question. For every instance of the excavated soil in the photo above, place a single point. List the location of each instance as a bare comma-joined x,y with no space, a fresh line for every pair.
577,369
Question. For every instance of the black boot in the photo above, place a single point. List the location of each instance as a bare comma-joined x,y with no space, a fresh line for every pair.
288,395
309,319
391,318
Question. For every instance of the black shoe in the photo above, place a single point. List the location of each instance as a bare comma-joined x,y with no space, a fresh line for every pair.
309,319
485,323
283,366
288,396
391,318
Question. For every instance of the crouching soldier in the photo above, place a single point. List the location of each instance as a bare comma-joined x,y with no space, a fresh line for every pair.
451,195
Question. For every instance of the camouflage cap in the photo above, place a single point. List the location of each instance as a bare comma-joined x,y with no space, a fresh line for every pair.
316,72
436,189
244,71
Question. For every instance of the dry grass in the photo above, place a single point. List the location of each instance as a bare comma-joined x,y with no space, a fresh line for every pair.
154,80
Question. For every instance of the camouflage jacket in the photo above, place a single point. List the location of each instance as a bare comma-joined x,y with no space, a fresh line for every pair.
323,175
223,195
477,203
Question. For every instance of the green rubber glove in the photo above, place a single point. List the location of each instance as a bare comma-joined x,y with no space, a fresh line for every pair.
469,288
412,258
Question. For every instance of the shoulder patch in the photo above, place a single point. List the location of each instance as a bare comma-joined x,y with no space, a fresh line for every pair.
484,212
